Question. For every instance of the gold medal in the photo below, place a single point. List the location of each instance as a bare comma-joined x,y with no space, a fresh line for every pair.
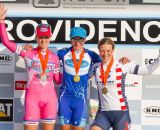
76,78
77,64
43,78
104,90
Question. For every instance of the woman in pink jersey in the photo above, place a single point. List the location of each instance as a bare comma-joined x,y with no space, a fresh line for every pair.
42,68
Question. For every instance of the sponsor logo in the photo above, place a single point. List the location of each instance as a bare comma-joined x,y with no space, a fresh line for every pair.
6,110
36,65
46,3
44,29
20,85
132,85
149,61
117,1
70,63
153,110
5,58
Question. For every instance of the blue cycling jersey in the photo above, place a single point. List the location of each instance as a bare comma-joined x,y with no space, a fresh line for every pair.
69,87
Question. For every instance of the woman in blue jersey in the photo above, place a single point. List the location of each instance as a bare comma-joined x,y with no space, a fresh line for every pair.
73,92
110,79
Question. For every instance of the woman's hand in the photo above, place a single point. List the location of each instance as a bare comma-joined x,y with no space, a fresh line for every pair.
124,60
27,47
3,13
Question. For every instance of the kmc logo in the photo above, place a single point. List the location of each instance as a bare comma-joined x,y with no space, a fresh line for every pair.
153,110
5,58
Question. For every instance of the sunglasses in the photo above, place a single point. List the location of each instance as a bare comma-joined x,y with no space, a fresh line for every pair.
78,40
43,25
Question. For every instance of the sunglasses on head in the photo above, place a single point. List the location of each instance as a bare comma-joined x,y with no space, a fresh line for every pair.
43,25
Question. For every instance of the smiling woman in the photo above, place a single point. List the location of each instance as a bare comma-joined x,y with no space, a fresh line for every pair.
40,87
110,77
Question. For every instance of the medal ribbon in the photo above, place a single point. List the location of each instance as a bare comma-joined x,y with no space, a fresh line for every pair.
77,64
104,75
43,60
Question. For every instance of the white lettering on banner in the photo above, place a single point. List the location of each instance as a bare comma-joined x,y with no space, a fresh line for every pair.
57,29
102,29
9,28
125,27
19,30
146,31
96,29
68,25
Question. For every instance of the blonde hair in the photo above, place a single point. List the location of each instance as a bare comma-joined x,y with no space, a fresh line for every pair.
107,41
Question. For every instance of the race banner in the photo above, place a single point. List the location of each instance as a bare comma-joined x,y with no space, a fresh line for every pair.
122,31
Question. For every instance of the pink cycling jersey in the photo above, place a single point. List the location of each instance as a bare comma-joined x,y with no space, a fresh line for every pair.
40,99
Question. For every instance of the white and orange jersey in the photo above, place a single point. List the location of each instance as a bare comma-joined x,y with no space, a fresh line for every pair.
115,99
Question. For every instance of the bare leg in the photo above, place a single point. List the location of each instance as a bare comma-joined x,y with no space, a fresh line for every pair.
77,128
48,126
65,127
30,127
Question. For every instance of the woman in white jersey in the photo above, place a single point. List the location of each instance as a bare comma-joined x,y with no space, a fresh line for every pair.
110,79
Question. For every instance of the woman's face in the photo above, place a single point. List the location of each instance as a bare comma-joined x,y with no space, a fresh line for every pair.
106,52
77,43
43,42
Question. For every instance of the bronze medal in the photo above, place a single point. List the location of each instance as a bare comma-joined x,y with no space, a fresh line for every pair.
104,75
76,78
104,90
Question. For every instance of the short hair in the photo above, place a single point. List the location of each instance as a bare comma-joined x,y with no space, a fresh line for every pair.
106,40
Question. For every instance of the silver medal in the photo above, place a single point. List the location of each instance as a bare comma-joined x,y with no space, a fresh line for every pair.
43,78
